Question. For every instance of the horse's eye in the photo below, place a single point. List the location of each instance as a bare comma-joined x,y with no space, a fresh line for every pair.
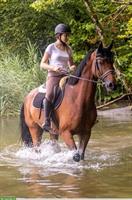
100,62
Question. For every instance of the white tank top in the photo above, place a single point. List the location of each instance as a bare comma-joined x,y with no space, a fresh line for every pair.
57,58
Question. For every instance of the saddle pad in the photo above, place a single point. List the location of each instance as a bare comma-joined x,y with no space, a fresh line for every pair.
42,88
58,97
38,100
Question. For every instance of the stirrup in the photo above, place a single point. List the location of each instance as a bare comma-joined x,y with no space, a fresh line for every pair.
46,128
49,130
46,125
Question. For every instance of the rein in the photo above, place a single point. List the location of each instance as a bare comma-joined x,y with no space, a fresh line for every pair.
84,79
101,77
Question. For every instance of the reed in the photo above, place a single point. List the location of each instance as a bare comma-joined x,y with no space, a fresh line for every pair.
18,75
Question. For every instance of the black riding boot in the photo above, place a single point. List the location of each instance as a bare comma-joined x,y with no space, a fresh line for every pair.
47,112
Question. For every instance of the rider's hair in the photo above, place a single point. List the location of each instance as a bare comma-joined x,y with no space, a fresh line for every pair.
58,36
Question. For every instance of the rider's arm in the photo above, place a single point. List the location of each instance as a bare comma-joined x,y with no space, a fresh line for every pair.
72,66
44,63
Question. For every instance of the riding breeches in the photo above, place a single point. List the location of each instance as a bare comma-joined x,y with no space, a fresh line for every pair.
52,83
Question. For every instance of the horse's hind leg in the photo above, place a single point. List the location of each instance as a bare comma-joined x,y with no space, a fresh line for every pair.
36,134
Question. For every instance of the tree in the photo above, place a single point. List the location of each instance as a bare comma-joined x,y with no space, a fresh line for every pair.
90,22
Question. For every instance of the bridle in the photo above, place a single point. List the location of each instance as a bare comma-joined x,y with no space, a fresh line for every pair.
101,76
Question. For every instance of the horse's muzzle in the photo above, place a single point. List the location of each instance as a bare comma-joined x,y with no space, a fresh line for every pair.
110,86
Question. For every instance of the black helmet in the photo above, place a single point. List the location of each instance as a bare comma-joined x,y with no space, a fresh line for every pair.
62,28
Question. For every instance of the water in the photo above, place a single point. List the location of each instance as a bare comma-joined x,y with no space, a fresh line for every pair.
106,171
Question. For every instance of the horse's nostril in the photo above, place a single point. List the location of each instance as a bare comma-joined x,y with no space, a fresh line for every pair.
111,85
114,87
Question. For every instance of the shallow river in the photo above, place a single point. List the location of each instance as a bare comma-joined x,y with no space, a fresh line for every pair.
106,171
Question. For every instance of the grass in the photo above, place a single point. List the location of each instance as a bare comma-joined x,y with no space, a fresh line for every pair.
18,75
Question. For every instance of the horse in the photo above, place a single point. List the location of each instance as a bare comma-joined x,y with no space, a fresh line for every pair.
76,115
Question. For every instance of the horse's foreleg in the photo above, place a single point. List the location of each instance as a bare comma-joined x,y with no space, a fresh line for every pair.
84,138
68,139
83,141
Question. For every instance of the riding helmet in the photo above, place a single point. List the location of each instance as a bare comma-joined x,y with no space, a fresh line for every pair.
62,28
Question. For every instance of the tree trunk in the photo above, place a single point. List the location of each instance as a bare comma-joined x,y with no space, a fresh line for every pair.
94,18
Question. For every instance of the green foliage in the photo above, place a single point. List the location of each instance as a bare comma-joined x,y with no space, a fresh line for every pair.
17,77
35,20
20,22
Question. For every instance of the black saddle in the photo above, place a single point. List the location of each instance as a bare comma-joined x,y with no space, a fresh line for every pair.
58,97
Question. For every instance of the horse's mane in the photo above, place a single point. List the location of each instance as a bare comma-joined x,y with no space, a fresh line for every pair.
77,73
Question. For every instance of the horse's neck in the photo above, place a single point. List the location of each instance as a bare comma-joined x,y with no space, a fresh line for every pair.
83,93
87,88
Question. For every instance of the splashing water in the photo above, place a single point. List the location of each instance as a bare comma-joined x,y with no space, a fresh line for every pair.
55,158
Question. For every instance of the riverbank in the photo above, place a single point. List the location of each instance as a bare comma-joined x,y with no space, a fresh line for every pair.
121,114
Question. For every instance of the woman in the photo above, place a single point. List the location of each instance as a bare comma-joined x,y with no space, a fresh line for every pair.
57,59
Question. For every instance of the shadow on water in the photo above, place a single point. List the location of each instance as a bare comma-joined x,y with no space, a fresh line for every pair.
106,171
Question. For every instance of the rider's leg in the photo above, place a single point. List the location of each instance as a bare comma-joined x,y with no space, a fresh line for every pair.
47,113
50,84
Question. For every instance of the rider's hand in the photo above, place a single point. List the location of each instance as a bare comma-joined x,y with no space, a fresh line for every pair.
56,69
72,68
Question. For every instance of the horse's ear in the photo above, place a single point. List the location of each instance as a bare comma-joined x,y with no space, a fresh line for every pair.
110,46
100,47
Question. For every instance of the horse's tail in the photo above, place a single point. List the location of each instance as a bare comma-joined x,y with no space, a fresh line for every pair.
25,133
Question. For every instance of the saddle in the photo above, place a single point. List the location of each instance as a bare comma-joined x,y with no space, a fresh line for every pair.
58,97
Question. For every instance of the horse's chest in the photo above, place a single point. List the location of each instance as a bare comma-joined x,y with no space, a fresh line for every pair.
83,118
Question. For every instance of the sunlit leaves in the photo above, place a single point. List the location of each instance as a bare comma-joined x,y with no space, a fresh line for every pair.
129,27
40,5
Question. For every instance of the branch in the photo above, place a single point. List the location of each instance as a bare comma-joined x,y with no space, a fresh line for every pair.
122,2
120,11
115,100
115,14
94,18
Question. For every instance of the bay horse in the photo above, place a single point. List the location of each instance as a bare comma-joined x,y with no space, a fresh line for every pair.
77,112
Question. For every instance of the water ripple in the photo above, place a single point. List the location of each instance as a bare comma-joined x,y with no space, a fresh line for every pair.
52,158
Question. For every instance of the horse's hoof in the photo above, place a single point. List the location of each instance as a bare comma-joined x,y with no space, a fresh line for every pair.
77,157
37,150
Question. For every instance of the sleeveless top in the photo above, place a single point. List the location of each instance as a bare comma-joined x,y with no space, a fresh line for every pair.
58,58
